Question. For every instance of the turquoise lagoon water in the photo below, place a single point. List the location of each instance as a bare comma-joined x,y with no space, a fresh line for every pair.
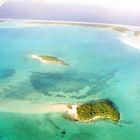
100,67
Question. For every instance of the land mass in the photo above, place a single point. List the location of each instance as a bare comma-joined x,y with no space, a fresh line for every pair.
95,111
115,27
48,59
91,111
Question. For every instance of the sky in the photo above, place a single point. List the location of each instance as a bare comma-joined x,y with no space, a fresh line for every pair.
133,5
125,11
130,5
2,2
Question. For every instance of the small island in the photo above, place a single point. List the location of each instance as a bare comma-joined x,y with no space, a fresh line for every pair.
100,110
86,112
48,59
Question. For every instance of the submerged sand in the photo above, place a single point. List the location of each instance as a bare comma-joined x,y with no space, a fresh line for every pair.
19,106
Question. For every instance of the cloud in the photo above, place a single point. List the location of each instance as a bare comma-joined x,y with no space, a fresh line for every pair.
127,5
2,2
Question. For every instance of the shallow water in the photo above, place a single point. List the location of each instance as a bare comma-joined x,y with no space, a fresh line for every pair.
100,67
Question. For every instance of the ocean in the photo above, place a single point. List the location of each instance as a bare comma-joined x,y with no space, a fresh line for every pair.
99,67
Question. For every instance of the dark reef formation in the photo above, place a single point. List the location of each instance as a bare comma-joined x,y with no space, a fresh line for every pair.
6,73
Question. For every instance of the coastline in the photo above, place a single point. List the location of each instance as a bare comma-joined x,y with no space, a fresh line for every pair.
28,107
74,115
48,59
66,22
130,40
34,56
129,35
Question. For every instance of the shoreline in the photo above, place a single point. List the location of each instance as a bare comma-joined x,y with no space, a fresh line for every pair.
127,34
34,56
29,107
68,22
48,59
73,114
129,39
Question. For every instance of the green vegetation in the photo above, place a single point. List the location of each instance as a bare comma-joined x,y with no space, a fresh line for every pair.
101,109
48,58
51,59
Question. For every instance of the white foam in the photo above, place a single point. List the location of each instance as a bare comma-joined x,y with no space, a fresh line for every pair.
130,39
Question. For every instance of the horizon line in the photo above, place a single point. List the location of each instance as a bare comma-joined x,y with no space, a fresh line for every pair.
69,22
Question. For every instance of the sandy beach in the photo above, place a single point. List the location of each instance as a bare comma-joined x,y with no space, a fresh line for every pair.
21,106
114,27
34,56
73,112
49,59
130,39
